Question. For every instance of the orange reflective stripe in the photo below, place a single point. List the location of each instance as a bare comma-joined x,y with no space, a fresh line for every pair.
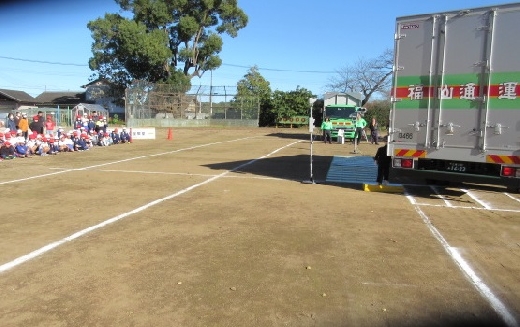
410,153
503,159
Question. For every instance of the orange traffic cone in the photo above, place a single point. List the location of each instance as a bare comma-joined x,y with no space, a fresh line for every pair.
170,134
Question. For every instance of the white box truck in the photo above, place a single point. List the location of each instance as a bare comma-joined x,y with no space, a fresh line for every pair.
455,112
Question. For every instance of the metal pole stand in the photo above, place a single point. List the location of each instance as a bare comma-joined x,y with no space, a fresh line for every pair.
311,130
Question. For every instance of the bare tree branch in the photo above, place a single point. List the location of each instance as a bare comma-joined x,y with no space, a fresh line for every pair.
366,76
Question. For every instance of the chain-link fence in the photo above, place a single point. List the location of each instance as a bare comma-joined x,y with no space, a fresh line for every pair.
147,104
64,117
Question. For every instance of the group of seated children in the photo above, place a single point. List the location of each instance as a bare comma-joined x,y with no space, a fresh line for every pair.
13,144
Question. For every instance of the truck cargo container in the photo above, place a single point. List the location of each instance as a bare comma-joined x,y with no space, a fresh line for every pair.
455,112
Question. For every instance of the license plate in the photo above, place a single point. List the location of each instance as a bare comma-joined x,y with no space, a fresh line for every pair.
458,167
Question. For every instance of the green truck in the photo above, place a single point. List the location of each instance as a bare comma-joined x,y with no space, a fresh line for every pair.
342,116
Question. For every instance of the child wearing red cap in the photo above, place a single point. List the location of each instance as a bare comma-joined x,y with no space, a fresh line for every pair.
43,146
7,151
53,146
114,135
37,125
49,125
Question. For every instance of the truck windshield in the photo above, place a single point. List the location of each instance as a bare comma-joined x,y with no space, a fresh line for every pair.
340,112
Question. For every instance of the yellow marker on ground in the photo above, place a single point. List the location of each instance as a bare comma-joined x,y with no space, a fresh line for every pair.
383,188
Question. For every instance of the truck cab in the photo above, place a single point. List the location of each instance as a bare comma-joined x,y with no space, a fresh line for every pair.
342,117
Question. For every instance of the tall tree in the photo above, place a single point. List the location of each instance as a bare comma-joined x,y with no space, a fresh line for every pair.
367,76
292,103
380,110
254,86
167,41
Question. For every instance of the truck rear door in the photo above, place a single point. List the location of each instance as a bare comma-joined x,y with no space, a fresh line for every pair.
456,83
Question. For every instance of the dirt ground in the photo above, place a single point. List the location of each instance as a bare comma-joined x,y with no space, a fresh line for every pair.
216,228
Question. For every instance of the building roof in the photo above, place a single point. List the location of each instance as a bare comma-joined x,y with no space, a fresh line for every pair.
61,97
90,107
97,82
354,95
19,96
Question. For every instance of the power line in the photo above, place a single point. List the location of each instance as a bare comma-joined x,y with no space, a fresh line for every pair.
284,70
223,64
45,62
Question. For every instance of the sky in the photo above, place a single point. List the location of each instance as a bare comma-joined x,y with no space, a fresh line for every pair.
45,45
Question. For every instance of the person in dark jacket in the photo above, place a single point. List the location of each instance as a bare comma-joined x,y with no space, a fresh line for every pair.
115,137
37,125
383,162
7,151
374,131
91,125
125,136
80,144
11,123
78,123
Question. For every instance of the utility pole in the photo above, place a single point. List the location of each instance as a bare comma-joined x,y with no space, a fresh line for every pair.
210,93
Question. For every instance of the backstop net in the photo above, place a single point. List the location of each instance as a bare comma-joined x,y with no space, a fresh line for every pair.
164,101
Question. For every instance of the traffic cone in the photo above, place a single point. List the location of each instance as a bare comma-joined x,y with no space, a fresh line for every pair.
170,134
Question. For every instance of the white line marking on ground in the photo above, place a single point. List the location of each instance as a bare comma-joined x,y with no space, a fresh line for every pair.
411,199
185,174
482,288
474,197
464,207
201,146
48,247
440,196
68,170
119,161
512,197
495,302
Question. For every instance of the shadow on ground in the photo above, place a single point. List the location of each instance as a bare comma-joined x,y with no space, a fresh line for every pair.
295,168
296,136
